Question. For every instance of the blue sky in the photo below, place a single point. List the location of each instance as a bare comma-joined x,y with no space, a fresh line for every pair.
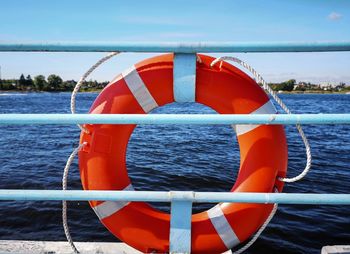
63,20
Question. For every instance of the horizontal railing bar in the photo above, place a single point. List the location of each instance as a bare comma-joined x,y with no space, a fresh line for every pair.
176,47
162,196
174,119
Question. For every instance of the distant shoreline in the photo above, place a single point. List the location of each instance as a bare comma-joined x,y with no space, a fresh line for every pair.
314,92
98,91
54,83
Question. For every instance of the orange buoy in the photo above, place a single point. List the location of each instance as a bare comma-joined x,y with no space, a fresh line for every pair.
147,85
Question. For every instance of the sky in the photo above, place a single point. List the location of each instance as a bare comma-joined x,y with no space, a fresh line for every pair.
37,21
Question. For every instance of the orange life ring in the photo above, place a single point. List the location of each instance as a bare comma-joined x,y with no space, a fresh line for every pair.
147,85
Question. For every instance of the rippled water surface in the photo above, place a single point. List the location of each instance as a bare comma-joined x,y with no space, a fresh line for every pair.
178,157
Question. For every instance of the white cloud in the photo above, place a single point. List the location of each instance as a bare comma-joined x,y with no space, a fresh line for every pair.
334,16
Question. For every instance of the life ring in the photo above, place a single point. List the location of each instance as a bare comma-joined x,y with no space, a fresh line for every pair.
147,85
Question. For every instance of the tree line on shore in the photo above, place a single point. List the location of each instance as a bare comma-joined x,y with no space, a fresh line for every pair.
54,83
291,85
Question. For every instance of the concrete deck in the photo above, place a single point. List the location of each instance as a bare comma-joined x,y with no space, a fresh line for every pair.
341,249
48,247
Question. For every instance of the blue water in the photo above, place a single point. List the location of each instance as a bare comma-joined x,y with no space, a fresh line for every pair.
180,157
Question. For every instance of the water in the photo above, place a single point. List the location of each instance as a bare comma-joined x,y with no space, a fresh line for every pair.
202,158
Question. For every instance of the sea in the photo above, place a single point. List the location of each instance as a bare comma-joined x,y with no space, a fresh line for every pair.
173,157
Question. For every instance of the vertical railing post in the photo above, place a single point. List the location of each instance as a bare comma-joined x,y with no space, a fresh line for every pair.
180,223
185,77
184,74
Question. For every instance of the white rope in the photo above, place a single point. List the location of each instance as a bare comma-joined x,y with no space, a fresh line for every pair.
74,153
259,232
259,78
81,81
64,202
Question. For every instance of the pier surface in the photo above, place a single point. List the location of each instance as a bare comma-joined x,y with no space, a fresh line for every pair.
53,247
341,249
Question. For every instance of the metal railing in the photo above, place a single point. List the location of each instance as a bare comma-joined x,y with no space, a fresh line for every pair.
181,202
204,47
173,119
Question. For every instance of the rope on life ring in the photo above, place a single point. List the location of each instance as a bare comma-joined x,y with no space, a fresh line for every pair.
274,95
76,150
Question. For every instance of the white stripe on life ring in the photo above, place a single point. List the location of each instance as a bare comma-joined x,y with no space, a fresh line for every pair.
267,108
107,208
222,227
139,89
